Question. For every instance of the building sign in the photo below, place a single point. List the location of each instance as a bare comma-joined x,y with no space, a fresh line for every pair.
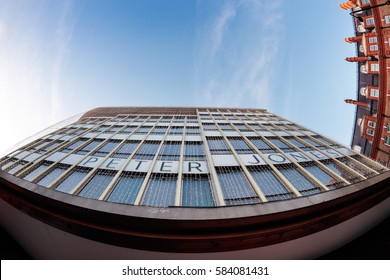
196,167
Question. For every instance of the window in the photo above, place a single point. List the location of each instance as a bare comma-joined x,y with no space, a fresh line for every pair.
371,123
372,40
388,128
72,180
242,127
147,151
226,127
143,130
114,129
209,126
298,180
126,189
106,148
297,143
235,187
387,140
176,130
370,21
261,145
240,146
218,146
339,170
272,188
374,67
281,145
128,129
192,130
311,142
36,171
160,191
159,130
170,151
193,151
126,149
373,47
196,191
49,147
89,147
320,174
16,167
387,19
73,146
55,173
97,184
374,92
370,131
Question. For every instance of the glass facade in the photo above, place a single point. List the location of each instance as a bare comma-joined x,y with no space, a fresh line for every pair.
197,158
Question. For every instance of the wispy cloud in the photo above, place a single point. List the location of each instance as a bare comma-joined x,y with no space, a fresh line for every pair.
238,52
34,43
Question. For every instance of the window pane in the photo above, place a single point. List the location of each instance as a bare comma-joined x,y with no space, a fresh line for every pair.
72,180
106,148
299,181
321,175
339,170
95,187
281,145
170,151
272,188
73,146
38,170
193,150
126,149
89,147
127,188
147,151
218,146
240,146
261,145
160,191
196,191
52,175
236,188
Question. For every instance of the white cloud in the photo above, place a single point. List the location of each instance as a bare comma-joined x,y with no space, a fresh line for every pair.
33,53
238,67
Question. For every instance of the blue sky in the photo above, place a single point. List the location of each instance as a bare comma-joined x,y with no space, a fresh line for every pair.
60,58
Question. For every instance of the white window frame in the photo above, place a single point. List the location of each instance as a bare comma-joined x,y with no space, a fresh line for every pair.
372,40
370,21
369,130
371,124
374,92
387,140
374,67
373,47
388,128
387,19
364,2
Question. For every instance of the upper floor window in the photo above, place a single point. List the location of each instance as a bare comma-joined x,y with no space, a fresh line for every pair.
370,21
374,67
388,128
370,131
387,140
365,2
371,123
373,47
387,19
372,40
374,92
